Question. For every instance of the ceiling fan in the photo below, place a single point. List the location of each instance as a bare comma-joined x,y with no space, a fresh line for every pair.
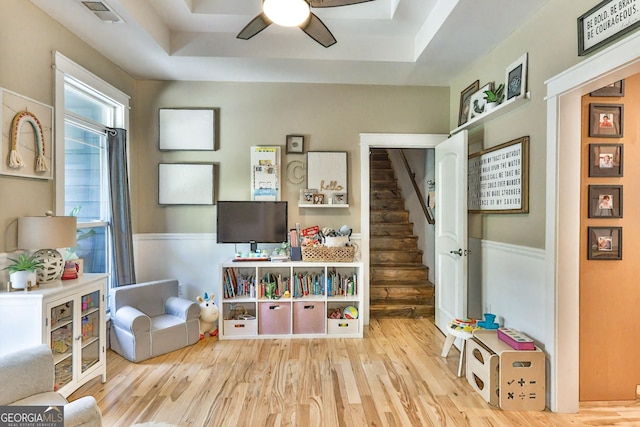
295,13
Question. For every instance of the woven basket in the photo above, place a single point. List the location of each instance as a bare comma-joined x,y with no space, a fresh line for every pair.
328,254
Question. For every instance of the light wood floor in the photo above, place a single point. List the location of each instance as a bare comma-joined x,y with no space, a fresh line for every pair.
393,377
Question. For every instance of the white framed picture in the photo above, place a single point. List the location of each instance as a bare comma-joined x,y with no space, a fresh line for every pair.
478,103
27,144
187,129
327,171
515,80
186,183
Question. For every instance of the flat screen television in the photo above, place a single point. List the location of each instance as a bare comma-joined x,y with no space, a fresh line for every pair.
251,222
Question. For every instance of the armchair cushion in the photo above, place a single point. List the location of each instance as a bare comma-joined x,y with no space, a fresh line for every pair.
151,319
27,378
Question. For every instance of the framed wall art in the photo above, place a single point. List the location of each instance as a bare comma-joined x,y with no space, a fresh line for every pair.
192,129
498,178
478,102
604,243
605,160
605,201
27,144
327,171
606,120
186,183
516,79
615,89
605,22
465,102
295,144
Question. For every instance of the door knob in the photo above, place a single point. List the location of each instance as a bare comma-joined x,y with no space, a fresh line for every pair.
458,252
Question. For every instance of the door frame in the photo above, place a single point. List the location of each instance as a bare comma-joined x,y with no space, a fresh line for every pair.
381,140
562,222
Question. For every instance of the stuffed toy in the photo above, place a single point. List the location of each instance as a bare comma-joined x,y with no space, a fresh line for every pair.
208,316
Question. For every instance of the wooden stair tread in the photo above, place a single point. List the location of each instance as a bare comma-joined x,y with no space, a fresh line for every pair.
399,285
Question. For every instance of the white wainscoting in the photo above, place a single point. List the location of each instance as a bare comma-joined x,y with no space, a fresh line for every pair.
193,259
513,287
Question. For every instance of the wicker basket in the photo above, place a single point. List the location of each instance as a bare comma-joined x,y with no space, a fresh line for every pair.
328,254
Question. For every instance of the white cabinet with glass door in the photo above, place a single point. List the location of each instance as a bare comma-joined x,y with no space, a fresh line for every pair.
67,315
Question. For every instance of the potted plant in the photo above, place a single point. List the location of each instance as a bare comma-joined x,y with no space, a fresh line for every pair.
494,97
22,271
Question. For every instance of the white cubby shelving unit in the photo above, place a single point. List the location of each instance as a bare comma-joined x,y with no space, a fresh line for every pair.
316,289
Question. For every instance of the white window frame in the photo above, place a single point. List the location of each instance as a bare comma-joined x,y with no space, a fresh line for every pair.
65,68
67,71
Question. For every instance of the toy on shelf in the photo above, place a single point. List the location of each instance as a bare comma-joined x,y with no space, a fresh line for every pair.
466,325
208,316
489,322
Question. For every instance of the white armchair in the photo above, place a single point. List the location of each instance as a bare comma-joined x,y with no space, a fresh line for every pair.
27,378
150,319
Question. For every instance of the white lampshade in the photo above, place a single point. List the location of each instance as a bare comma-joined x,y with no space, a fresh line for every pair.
288,13
47,233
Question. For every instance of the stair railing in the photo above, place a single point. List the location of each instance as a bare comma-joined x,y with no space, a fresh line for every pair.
412,177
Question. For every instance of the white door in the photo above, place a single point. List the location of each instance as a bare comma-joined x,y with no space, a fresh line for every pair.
451,229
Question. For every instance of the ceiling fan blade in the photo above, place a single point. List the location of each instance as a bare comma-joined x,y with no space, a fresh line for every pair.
258,24
334,3
316,29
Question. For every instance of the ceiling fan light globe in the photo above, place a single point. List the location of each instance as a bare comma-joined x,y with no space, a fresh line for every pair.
287,13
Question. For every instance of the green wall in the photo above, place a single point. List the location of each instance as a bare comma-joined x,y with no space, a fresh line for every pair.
550,38
330,116
28,37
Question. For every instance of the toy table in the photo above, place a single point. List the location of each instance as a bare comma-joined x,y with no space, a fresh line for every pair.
462,329
512,379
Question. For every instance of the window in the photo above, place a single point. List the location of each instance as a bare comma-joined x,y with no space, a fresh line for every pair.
90,107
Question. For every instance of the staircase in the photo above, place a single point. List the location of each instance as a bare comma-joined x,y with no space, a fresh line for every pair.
399,284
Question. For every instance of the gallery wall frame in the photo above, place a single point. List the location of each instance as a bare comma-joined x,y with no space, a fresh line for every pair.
295,144
465,102
605,201
328,172
604,243
606,160
615,89
27,143
188,129
478,101
186,183
605,22
606,120
498,178
515,80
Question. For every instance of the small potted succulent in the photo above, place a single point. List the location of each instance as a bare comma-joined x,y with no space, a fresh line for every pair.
22,271
494,97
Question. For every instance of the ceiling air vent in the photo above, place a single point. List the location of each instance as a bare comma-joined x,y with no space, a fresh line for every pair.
102,11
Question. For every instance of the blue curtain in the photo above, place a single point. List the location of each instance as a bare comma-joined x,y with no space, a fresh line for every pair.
124,270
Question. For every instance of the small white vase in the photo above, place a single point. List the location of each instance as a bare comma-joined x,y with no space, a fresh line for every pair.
19,279
490,106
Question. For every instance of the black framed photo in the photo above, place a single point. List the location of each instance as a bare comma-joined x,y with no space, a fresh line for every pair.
605,201
295,144
605,160
605,243
465,102
606,120
615,89
516,78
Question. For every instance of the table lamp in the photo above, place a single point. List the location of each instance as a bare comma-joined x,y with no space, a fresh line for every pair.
37,232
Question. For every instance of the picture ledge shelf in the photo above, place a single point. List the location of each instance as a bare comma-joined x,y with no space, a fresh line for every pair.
324,205
498,111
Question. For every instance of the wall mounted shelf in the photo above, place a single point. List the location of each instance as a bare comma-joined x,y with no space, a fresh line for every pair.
500,110
324,205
